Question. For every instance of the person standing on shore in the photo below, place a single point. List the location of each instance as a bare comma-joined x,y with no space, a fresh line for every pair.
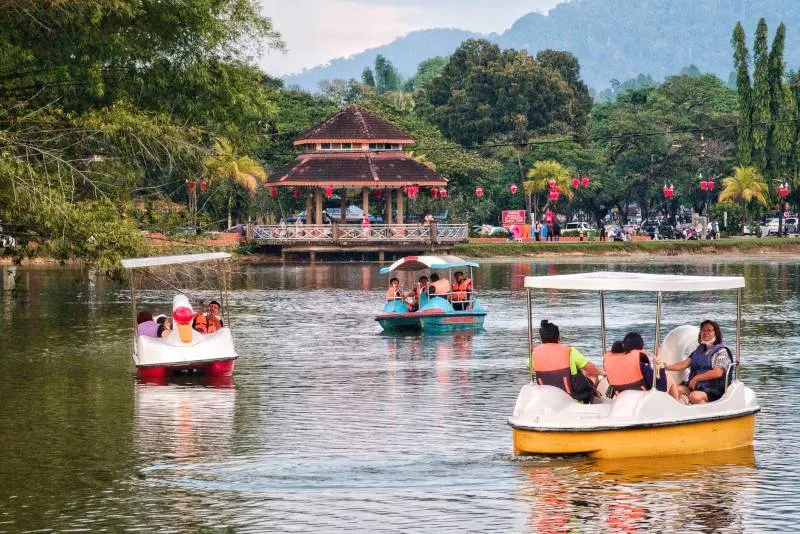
536,229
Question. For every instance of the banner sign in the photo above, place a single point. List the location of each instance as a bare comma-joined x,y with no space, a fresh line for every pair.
510,217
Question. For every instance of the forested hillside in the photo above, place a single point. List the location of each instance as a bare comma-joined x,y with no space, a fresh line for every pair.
612,39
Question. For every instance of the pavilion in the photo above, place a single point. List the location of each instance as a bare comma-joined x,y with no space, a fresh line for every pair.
356,149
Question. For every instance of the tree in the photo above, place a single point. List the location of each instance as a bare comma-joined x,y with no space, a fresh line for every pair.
426,71
744,186
741,60
781,112
367,78
761,97
540,176
235,171
386,76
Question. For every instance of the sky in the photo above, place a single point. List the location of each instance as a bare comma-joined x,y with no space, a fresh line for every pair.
316,31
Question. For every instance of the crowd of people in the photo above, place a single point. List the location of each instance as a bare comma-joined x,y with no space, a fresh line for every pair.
628,367
458,293
205,321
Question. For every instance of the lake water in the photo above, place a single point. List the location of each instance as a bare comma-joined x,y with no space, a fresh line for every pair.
332,426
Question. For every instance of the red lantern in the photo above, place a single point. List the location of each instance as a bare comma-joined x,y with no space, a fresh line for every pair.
668,191
328,192
513,189
479,192
585,181
203,185
434,192
443,193
703,185
783,191
554,195
552,183
412,191
273,192
191,184
711,185
379,194
296,192
576,183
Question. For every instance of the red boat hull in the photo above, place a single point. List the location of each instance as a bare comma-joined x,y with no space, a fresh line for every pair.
161,373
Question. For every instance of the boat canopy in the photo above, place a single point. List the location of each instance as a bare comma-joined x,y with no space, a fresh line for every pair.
622,281
158,261
418,263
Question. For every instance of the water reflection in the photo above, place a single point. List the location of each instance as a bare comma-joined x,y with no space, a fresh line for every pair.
705,493
183,421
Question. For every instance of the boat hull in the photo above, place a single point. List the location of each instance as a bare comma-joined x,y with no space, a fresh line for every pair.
215,369
431,322
680,438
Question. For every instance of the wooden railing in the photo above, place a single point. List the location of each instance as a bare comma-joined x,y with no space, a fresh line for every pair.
434,233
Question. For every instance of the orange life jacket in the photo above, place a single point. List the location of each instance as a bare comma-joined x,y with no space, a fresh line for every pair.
441,287
206,324
623,370
551,363
460,289
393,293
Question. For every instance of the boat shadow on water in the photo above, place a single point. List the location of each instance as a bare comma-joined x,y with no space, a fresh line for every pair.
639,494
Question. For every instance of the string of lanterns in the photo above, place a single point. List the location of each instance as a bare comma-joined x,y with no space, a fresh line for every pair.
555,190
783,190
669,190
706,185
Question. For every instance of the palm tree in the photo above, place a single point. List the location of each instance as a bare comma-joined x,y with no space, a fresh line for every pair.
539,179
745,186
240,171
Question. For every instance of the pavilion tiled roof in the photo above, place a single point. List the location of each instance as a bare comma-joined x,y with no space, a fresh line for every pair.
356,169
354,124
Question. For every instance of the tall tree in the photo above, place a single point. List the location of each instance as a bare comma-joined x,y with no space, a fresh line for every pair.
367,77
780,100
741,60
761,97
386,76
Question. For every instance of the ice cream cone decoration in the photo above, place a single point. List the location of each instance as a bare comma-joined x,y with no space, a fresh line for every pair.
183,321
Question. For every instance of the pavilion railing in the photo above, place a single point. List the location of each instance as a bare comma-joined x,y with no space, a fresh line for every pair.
435,233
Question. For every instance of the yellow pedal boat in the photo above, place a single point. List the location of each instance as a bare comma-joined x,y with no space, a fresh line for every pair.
547,420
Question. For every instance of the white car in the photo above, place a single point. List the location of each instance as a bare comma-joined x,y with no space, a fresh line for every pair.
577,225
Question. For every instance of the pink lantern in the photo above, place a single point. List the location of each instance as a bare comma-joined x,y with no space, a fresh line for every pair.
585,181
412,191
434,192
296,192
552,183
668,191
191,184
704,185
443,193
479,192
203,185
273,192
711,185
554,195
513,189
576,183
784,190
328,192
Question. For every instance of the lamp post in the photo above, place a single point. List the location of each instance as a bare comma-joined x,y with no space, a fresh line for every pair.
783,192
707,186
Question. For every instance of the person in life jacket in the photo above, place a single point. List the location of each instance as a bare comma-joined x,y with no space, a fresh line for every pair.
563,366
628,367
709,364
439,286
422,287
461,295
210,321
393,291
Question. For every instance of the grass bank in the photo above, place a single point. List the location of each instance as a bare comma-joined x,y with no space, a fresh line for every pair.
631,248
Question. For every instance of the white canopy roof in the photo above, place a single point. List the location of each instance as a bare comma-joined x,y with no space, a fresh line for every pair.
158,261
418,263
620,281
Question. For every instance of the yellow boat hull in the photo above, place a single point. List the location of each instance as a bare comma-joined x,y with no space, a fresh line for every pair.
682,438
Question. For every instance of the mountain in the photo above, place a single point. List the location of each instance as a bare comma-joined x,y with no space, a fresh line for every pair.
404,52
612,39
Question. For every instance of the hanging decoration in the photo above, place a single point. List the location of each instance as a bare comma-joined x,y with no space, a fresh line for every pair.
434,192
513,189
190,185
552,183
442,193
379,194
669,190
479,192
783,190
203,185
585,181
297,192
412,191
328,192
576,183
273,192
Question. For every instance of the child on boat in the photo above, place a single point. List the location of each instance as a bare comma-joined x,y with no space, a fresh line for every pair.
393,292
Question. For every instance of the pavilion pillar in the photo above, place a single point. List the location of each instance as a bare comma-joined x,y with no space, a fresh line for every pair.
343,206
400,206
388,212
365,201
309,207
318,206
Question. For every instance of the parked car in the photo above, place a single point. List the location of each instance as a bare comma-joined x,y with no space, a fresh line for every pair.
577,225
487,230
789,226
